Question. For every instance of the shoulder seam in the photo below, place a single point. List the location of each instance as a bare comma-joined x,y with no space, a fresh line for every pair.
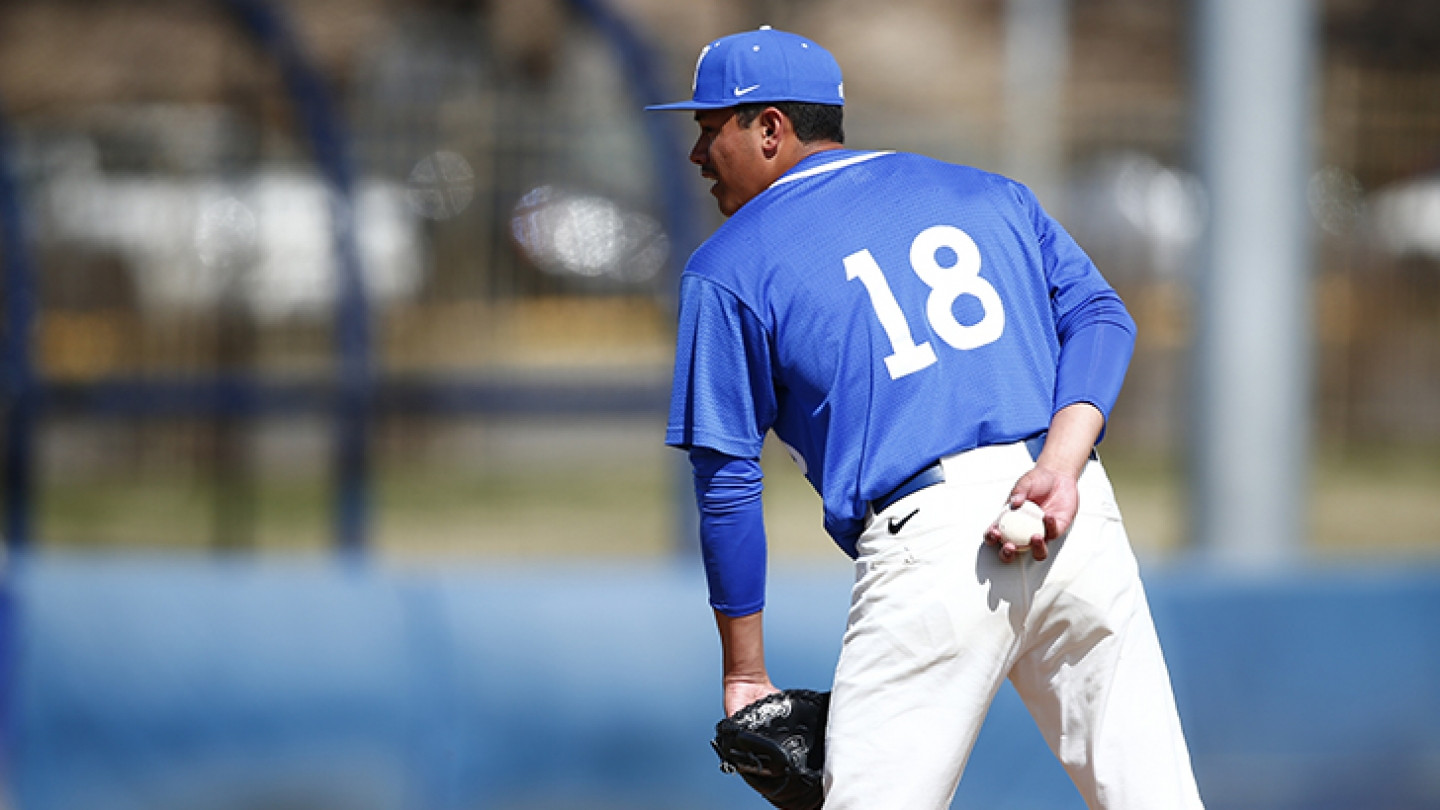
733,293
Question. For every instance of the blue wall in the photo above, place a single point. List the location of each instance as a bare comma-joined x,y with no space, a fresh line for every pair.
171,683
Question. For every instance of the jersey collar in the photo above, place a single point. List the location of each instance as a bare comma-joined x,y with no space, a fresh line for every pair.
825,162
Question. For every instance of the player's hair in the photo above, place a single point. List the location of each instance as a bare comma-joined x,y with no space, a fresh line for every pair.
812,122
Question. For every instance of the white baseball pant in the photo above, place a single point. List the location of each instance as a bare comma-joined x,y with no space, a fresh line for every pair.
937,623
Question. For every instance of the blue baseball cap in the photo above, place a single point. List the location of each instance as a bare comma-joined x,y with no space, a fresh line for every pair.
764,66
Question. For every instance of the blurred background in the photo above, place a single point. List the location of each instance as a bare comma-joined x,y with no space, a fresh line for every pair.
320,310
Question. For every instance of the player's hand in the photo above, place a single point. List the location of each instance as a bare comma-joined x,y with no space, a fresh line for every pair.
1055,492
741,693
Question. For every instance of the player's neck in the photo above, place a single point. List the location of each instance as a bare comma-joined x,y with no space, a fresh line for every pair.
805,150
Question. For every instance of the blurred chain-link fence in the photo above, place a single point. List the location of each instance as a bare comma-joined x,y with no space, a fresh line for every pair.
509,227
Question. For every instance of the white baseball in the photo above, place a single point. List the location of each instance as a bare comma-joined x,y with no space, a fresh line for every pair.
1017,526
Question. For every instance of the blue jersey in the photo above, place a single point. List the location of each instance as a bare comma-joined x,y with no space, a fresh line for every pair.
878,311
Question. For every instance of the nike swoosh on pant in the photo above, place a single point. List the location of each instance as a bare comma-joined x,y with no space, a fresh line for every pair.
896,525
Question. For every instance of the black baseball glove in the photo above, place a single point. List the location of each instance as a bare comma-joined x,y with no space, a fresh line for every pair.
777,745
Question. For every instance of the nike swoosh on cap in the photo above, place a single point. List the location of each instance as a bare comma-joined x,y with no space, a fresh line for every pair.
740,91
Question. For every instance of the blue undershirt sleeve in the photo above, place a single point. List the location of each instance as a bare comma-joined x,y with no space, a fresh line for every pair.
732,530
1093,362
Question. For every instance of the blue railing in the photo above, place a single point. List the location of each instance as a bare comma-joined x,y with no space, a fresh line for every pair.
19,383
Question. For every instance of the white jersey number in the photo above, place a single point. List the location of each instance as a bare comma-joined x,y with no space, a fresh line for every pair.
947,283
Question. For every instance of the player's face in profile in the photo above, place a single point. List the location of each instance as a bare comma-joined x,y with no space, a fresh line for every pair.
732,156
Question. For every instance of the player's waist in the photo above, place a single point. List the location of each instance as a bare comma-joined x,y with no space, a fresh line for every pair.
975,464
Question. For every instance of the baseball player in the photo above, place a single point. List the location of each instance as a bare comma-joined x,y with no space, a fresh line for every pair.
934,350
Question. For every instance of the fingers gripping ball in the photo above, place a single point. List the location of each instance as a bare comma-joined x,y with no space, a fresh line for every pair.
1017,526
777,745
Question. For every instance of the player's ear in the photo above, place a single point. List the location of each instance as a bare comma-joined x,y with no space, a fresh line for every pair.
772,126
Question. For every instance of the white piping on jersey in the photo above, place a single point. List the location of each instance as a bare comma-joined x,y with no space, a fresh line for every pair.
830,167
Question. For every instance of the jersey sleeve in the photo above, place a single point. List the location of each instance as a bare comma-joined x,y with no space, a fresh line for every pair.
723,395
1095,330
